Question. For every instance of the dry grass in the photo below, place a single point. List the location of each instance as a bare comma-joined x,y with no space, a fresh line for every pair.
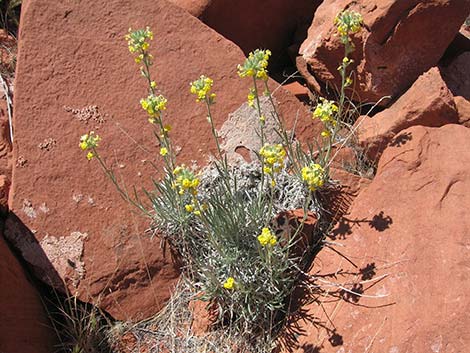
172,331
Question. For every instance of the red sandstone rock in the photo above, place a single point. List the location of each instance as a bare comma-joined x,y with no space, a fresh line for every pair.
400,40
24,326
457,77
407,235
428,102
298,90
273,25
348,186
463,108
68,221
201,317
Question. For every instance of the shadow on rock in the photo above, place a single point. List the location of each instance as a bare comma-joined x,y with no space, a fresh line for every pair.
401,140
313,292
379,222
26,245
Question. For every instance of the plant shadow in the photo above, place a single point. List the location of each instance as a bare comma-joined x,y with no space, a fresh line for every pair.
401,139
380,222
306,310
309,298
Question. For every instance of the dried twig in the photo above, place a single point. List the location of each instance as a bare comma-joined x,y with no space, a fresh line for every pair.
6,91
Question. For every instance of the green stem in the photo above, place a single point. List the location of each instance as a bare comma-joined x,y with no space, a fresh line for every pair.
223,159
147,71
283,132
214,133
342,99
262,137
271,201
110,174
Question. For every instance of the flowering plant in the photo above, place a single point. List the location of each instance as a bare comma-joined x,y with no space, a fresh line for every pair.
223,231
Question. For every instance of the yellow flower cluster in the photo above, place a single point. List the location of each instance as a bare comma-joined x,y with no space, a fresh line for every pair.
273,156
201,88
314,176
154,106
185,180
344,64
326,111
195,207
137,41
229,283
255,65
267,238
348,22
89,142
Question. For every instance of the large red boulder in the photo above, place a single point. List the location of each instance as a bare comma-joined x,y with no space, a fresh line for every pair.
67,219
274,24
399,41
457,77
428,102
401,281
25,326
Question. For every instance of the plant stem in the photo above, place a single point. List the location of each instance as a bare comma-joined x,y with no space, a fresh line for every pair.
262,137
283,133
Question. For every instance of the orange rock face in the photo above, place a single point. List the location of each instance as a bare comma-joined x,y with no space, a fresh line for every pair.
401,284
67,219
274,25
400,40
428,102
24,326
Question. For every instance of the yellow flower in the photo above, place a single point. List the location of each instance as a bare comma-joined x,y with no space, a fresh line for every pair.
229,283
154,105
314,176
273,157
267,238
325,133
139,58
137,41
178,170
348,22
255,65
185,180
163,151
167,128
326,111
189,208
89,142
201,88
195,183
251,97
153,84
